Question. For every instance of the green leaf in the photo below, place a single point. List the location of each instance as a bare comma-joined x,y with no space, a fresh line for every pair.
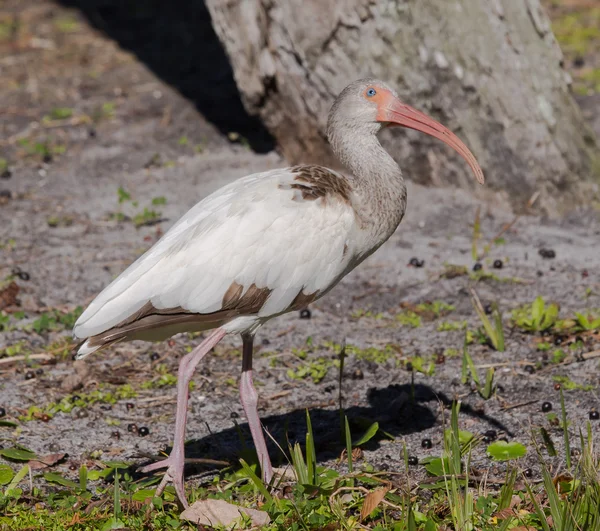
6,474
505,451
143,494
18,454
8,424
537,310
368,435
83,477
436,466
53,477
17,479
113,523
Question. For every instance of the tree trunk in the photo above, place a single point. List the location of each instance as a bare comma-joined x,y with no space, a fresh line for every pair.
488,69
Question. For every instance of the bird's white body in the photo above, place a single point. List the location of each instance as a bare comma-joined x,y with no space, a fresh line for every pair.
255,231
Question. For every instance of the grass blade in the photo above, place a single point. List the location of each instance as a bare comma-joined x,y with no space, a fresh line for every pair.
311,455
565,429
349,446
256,480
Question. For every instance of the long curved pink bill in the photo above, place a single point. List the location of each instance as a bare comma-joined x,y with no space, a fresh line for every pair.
398,113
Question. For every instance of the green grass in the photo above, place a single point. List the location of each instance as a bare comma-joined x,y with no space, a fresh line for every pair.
107,495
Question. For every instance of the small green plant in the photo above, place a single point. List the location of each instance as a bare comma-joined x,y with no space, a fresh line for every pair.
505,451
587,322
537,316
451,326
486,390
146,217
409,318
59,113
495,330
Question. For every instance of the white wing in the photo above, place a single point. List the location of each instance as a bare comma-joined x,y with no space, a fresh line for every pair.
257,230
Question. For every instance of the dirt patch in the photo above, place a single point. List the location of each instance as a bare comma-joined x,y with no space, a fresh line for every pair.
109,146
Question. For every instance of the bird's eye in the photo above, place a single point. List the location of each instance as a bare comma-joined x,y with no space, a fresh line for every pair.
371,92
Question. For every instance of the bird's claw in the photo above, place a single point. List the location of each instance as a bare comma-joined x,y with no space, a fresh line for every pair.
173,474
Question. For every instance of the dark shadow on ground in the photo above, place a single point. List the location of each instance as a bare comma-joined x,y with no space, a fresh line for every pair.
392,407
175,39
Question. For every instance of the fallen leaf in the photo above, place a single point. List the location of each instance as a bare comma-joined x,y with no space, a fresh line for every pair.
220,513
8,295
372,500
45,461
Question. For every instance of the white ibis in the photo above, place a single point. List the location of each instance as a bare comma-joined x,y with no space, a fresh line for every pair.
264,245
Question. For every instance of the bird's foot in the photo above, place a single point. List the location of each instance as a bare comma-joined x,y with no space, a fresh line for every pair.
173,474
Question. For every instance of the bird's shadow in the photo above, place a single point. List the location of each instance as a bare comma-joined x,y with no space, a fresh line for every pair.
177,42
399,410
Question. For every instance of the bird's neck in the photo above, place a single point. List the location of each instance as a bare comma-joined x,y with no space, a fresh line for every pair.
377,182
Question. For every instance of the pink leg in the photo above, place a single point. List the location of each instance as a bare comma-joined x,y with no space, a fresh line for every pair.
249,399
176,460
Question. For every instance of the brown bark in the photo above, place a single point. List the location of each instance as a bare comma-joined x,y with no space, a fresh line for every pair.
488,69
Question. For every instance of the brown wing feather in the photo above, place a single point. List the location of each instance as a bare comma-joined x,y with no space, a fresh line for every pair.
148,318
315,182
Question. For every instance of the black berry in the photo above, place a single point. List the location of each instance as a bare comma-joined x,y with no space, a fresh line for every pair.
23,275
154,356
305,314
498,264
116,434
594,415
266,342
3,412
426,443
233,415
415,262
546,406
491,434
143,431
527,472
488,309
29,375
413,461
547,253
530,369
477,266
132,428
129,405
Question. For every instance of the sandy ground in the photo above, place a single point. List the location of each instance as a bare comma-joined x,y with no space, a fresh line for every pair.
129,129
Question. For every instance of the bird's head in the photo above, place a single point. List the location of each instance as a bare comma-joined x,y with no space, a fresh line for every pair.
368,105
